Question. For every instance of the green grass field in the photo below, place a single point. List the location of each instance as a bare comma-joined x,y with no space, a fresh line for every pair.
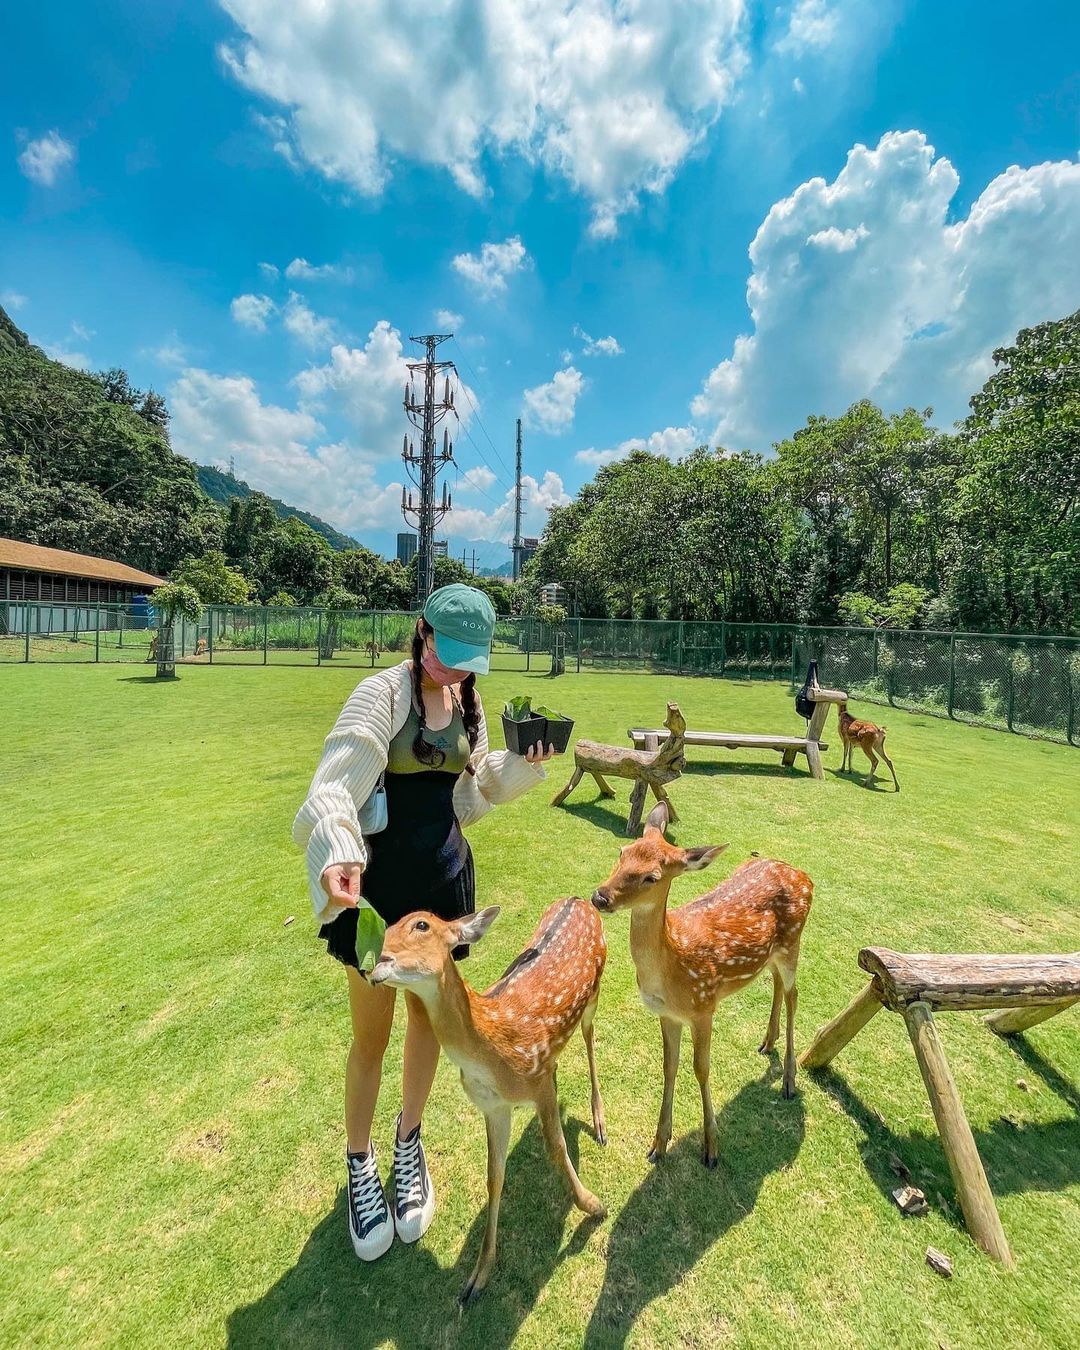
171,1149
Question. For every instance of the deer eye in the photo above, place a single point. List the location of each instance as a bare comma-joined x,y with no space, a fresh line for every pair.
421,926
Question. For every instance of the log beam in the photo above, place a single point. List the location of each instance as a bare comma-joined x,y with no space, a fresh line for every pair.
1011,1020
834,1035
957,982
969,1178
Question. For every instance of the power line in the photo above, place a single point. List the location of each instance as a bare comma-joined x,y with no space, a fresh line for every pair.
476,410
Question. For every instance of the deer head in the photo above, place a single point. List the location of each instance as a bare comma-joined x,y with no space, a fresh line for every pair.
650,863
416,950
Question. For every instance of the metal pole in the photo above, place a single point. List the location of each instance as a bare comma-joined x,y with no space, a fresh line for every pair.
579,645
97,633
517,508
26,630
266,632
680,648
723,645
318,641
952,671
209,636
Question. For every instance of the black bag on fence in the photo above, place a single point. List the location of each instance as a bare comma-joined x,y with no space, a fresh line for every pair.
804,705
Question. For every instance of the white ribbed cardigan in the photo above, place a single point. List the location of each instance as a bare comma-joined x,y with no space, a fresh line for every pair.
355,754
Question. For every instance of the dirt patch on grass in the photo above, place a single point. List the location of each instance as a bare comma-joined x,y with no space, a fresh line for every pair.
204,1144
15,1157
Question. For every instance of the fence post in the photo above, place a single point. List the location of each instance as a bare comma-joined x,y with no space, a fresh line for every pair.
1071,696
579,645
209,636
1009,705
373,643
528,641
26,630
97,633
723,645
952,670
266,632
680,648
318,640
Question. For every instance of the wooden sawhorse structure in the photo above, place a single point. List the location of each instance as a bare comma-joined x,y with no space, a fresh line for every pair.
1026,990
810,745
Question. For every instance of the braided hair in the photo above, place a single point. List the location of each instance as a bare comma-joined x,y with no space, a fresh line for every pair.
424,751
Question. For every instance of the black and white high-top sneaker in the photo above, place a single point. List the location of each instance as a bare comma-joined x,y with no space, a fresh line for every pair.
371,1227
414,1195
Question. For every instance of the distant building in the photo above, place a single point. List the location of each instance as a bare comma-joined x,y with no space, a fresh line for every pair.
554,594
406,547
441,547
522,553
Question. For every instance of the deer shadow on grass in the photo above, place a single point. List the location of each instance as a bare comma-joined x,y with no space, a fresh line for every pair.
329,1299
681,1209
1017,1155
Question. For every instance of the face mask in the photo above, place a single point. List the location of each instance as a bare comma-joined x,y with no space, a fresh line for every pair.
435,670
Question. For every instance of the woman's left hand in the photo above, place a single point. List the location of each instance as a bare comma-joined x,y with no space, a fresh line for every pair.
536,754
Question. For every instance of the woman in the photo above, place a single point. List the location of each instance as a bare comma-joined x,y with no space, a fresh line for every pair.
419,730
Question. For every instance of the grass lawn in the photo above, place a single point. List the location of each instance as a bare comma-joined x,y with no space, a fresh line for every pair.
171,1150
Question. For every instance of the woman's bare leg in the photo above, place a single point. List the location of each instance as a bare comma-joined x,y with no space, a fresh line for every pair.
372,1017
420,1063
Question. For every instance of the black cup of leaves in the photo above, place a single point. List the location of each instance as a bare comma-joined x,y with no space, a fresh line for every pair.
525,726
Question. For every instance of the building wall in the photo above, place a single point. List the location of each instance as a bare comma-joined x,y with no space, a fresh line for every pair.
48,588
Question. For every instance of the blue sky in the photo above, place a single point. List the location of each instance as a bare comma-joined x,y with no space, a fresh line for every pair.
654,221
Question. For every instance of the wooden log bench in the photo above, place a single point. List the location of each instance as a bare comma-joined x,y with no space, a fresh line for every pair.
1025,990
811,745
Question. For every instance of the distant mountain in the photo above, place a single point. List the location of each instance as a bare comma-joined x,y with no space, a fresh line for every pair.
503,570
222,487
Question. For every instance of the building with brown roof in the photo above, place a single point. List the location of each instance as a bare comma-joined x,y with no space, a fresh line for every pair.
52,576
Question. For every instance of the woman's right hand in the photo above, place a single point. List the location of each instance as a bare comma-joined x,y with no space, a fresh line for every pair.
341,882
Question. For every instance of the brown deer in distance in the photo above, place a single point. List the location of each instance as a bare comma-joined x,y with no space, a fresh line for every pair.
855,731
506,1042
688,959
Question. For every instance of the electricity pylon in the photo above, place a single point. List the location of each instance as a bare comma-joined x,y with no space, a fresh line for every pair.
423,468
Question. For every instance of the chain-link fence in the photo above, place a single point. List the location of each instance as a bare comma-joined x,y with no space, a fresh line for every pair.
1029,685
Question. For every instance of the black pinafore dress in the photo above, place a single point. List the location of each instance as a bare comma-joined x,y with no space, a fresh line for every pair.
421,861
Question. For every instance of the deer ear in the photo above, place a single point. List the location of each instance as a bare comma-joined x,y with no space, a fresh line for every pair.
658,818
697,858
473,926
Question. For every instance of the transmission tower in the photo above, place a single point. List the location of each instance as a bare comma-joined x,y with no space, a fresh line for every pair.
517,507
423,467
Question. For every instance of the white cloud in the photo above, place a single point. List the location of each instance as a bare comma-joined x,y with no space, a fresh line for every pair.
367,382
80,331
480,478
269,270
672,442
813,26
278,450
44,160
171,352
301,270
488,271
76,360
12,300
550,407
606,346
304,324
448,320
863,288
497,525
607,95
252,311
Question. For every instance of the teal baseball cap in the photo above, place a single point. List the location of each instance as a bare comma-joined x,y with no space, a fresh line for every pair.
464,622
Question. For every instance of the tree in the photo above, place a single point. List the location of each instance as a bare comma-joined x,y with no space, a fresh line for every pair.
298,561
174,600
214,580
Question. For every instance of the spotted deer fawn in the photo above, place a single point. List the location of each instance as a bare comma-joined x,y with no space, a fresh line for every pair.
506,1041
869,738
688,959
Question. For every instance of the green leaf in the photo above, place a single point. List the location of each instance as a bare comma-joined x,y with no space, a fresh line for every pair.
551,714
518,709
370,930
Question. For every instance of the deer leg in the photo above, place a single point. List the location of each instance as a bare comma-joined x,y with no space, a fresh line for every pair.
873,765
791,999
672,1034
498,1140
701,1035
575,779
767,1045
547,1108
888,761
597,1104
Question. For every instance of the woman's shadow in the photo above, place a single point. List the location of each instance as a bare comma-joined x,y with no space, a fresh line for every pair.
680,1209
329,1299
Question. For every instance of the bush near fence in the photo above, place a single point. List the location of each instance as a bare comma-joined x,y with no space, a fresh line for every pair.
1026,684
